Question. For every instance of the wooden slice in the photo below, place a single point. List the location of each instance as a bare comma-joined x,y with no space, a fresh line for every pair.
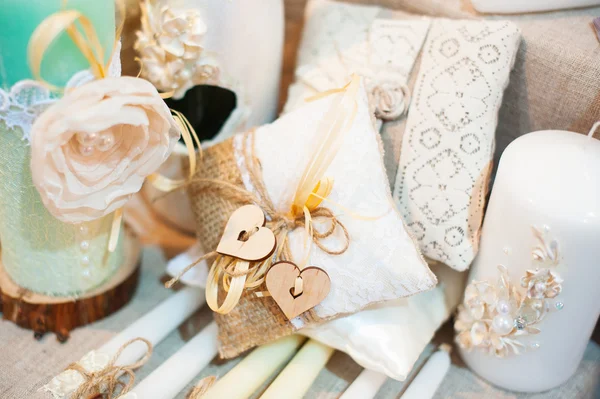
42,313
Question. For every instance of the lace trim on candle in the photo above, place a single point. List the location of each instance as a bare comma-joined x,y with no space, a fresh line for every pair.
497,318
25,101
67,382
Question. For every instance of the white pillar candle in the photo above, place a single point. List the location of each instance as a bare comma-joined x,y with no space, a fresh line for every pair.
156,324
365,386
549,180
424,385
297,377
176,372
245,378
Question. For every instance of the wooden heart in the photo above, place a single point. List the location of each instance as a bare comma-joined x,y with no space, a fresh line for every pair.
282,281
245,237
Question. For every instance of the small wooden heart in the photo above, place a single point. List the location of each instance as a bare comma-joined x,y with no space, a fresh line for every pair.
284,278
245,237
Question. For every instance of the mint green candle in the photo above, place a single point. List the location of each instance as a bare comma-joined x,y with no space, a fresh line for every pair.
19,18
39,252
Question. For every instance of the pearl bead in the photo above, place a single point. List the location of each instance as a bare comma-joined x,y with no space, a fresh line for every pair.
86,151
540,286
502,324
503,306
86,139
83,229
85,260
84,245
106,142
185,74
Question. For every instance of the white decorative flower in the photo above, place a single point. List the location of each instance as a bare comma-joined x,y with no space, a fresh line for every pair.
492,318
93,149
542,283
170,48
478,295
389,101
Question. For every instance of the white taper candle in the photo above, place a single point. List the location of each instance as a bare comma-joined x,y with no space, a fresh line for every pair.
297,377
424,385
177,371
365,386
245,378
156,324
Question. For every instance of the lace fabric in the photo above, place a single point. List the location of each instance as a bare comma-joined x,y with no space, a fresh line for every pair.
67,382
448,145
21,104
341,39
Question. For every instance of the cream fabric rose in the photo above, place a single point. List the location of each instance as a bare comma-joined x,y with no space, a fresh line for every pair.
91,150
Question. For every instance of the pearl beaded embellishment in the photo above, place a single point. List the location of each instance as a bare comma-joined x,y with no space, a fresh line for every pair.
89,143
497,318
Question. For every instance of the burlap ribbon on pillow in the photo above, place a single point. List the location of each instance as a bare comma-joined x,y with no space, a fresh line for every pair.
212,210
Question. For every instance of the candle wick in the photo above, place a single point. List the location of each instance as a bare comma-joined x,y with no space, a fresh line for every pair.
593,129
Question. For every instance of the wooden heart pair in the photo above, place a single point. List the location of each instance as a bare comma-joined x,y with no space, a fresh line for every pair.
295,291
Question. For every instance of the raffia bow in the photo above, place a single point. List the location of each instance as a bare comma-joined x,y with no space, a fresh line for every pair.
109,378
237,275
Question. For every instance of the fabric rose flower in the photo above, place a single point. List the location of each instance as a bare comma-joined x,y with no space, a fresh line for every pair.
389,102
170,45
92,149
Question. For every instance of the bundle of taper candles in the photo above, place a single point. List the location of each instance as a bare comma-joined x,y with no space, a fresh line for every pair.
303,360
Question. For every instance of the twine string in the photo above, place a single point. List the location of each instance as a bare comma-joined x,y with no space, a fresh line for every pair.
108,379
236,275
202,387
232,273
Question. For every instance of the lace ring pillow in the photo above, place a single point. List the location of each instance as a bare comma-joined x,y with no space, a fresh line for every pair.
452,74
359,239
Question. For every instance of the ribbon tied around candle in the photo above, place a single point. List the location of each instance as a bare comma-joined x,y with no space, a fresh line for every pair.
313,188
